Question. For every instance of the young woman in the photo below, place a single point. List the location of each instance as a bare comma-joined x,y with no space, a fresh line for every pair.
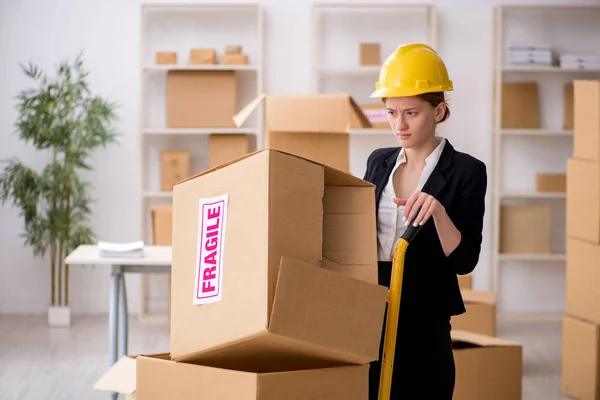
424,181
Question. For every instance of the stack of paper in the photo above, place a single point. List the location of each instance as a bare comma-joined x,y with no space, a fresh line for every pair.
579,61
121,250
532,54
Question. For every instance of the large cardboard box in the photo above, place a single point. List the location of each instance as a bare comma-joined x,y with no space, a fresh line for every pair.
580,359
311,126
583,280
159,378
586,112
174,167
162,225
487,367
200,99
548,182
525,229
248,241
223,148
583,200
520,105
481,313
465,281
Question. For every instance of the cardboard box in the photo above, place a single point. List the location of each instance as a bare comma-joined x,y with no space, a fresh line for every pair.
203,56
162,225
377,115
200,99
233,49
256,291
223,148
120,378
311,126
159,378
583,200
568,107
234,59
525,229
481,313
174,167
583,280
370,54
580,359
486,367
166,58
520,105
551,182
465,281
586,136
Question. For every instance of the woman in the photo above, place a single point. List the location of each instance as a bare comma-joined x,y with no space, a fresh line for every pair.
424,181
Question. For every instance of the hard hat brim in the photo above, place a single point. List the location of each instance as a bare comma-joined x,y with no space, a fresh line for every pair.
406,92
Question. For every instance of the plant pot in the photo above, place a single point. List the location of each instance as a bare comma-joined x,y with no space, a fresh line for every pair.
59,317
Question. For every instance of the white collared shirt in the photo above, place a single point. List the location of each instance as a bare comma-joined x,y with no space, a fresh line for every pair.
390,226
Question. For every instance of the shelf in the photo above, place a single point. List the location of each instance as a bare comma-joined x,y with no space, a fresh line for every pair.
542,68
207,67
157,194
197,131
532,257
198,7
535,132
351,70
531,194
370,132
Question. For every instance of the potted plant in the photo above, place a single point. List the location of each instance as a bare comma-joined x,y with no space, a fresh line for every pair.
62,118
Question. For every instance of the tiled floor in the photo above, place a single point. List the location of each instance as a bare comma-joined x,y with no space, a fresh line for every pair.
38,363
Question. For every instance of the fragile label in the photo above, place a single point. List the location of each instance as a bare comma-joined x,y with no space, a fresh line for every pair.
212,220
376,115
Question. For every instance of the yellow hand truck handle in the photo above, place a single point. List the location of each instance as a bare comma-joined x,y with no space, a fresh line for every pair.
391,327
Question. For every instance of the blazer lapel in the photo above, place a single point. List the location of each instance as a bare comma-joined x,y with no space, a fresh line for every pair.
437,181
382,175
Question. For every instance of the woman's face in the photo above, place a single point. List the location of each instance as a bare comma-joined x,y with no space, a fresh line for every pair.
412,119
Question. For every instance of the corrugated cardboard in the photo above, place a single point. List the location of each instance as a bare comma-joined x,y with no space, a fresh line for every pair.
203,56
120,378
311,126
520,105
200,99
580,359
583,200
272,303
583,280
162,225
568,106
481,313
370,54
159,378
586,137
486,367
465,281
223,148
174,167
551,182
234,59
168,58
525,229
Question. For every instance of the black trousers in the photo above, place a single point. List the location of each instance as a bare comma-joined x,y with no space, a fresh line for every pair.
423,362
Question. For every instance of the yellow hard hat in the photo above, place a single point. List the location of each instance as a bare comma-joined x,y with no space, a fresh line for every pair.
412,69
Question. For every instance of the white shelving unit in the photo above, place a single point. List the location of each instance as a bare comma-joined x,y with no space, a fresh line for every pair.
180,28
337,29
536,281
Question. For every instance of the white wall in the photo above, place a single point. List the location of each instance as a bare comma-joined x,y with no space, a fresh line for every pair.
47,31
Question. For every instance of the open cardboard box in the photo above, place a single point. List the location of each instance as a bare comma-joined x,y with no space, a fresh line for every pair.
311,126
120,378
275,261
481,313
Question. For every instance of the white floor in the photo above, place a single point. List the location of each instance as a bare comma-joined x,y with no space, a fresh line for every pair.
40,363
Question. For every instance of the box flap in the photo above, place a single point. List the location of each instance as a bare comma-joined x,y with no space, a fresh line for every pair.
120,378
480,340
486,298
241,117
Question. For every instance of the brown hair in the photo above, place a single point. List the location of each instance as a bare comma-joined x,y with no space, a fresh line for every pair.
434,99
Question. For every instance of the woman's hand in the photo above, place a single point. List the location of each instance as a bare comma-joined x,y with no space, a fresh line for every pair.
425,204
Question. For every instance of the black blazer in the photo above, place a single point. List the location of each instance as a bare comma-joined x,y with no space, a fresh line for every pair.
430,288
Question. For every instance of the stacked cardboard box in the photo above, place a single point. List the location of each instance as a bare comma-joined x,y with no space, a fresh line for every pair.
581,332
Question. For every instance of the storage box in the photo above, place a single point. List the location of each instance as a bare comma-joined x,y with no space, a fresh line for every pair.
580,359
174,167
200,99
551,182
481,313
465,281
583,280
234,59
223,148
486,367
162,225
586,137
583,200
248,238
568,106
165,58
233,49
159,378
377,115
370,54
520,105
525,229
311,126
203,56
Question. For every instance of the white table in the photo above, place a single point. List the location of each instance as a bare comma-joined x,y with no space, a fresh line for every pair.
156,259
